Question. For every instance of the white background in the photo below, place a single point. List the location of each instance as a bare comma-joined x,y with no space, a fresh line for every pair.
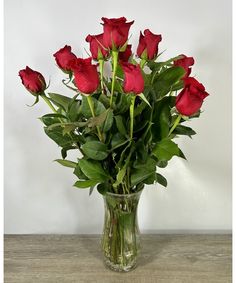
39,197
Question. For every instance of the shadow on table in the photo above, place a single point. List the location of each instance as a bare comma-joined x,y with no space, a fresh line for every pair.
151,249
92,246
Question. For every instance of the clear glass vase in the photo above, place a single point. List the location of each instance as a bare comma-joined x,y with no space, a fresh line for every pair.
120,240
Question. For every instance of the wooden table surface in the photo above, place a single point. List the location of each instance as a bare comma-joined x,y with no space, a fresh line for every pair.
78,258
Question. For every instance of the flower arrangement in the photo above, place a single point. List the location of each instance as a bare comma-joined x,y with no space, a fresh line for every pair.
123,125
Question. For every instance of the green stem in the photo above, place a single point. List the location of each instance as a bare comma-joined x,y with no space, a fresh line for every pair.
149,124
101,68
45,98
121,231
115,61
114,239
132,116
175,124
90,102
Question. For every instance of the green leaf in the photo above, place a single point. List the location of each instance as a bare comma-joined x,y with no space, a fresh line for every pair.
165,150
155,66
78,172
36,100
142,96
108,121
178,86
63,125
121,173
95,150
139,108
68,128
119,72
183,130
139,175
50,119
120,125
162,164
97,120
66,163
166,80
56,134
91,190
103,188
143,171
162,118
150,179
122,103
161,180
60,100
141,154
64,151
118,144
74,110
181,154
117,139
93,170
85,184
104,100
85,109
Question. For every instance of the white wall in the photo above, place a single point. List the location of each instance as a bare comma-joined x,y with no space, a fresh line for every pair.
39,197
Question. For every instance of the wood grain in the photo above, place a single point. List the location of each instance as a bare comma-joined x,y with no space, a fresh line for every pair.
78,258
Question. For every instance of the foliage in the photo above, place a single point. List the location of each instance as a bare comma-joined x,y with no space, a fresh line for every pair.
115,162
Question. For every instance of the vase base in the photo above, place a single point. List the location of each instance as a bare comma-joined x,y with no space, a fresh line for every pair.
119,267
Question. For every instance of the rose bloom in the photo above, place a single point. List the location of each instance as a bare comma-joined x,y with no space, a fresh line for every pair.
32,80
63,58
125,55
86,75
185,62
133,78
190,99
96,46
148,45
116,32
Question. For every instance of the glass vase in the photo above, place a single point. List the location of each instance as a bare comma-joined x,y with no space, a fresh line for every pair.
120,240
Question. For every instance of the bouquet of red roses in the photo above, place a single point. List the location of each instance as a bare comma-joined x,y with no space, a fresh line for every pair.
123,124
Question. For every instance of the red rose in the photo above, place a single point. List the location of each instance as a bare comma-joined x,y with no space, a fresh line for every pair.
96,46
116,32
63,58
190,99
133,81
185,62
86,75
125,55
148,45
32,80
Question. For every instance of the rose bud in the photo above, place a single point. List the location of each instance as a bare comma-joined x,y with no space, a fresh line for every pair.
116,32
96,46
32,80
125,55
86,75
148,45
185,62
63,58
133,78
190,99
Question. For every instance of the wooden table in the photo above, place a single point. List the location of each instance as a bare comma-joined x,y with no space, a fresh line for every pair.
78,258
